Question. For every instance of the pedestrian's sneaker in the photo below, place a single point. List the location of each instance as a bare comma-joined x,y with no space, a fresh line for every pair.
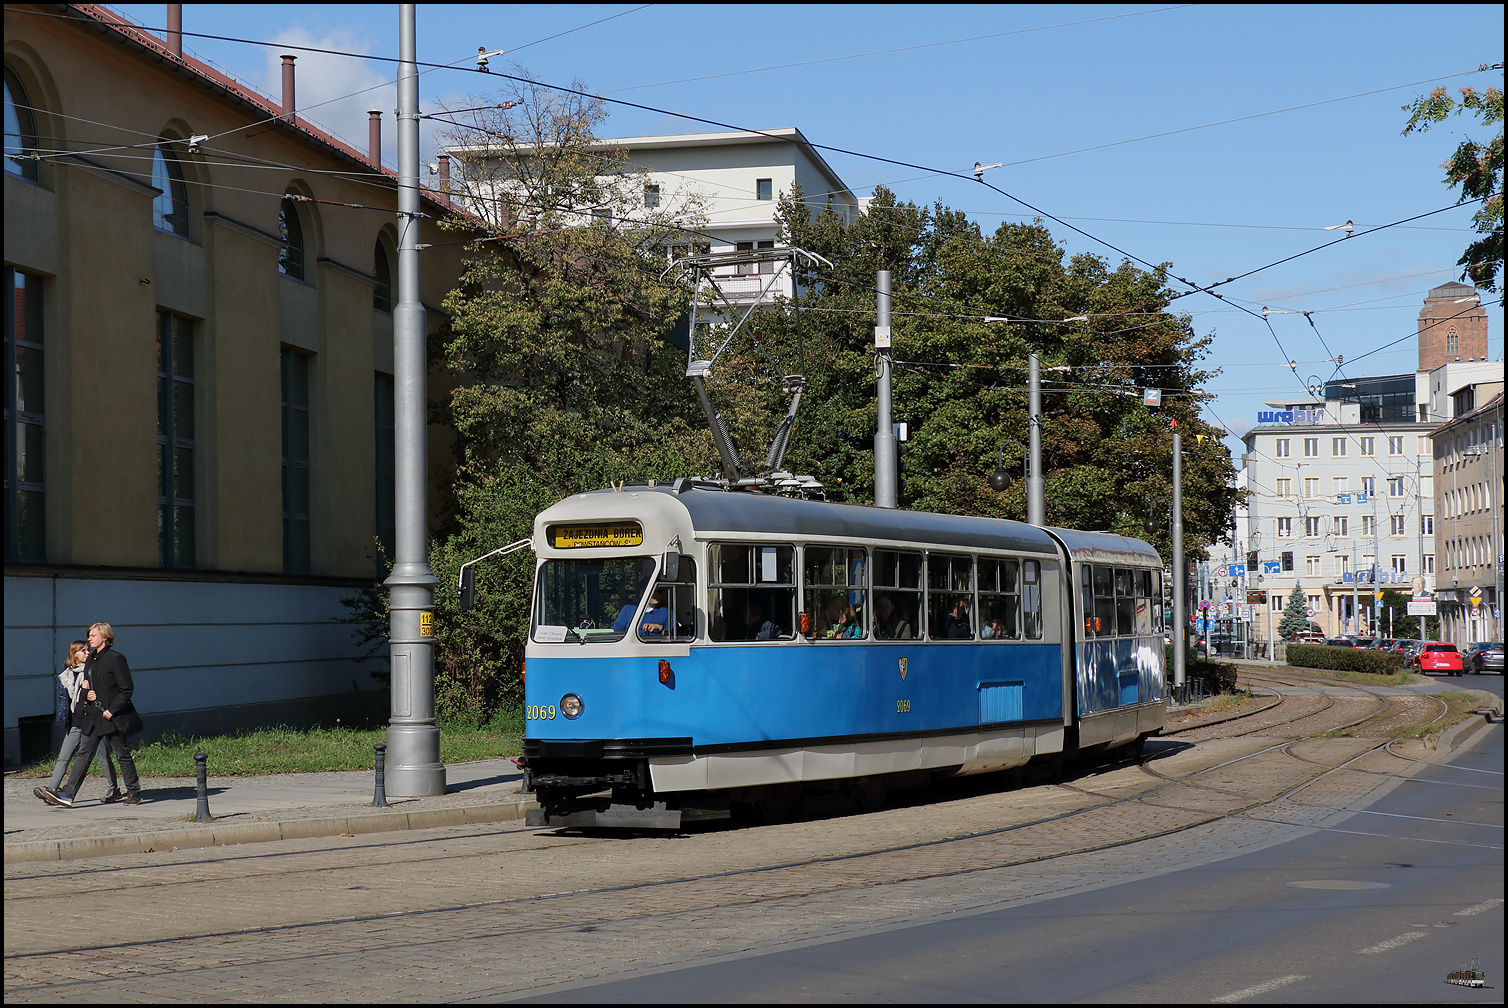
134,798
113,797
52,797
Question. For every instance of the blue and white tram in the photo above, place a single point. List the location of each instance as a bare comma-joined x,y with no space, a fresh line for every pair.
692,649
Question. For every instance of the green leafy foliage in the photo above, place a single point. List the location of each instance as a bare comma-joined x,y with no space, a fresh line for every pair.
960,382
1476,168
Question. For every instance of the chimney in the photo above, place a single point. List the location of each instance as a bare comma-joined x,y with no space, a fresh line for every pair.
444,160
175,29
374,137
288,105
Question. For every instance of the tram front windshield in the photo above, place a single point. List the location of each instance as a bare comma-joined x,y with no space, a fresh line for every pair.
585,600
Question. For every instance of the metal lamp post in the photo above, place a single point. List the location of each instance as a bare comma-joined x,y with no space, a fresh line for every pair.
413,739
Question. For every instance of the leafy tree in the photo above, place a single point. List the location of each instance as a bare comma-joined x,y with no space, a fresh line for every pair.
1476,168
562,381
961,382
1295,614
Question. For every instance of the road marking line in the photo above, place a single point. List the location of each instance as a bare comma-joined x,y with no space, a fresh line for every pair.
1392,943
1261,988
1469,911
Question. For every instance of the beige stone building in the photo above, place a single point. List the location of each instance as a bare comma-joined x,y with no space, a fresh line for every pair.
199,436
1469,517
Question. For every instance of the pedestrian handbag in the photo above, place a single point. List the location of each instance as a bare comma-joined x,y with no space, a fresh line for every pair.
128,722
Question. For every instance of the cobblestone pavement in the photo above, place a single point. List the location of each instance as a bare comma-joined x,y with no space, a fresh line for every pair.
492,912
479,907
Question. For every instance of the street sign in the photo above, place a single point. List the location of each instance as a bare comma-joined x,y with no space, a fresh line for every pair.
1272,567
1151,397
1223,571
1237,570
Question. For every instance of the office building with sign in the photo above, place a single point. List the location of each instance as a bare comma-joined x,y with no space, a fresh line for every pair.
1344,479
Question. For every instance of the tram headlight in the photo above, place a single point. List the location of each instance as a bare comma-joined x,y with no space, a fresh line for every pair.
570,705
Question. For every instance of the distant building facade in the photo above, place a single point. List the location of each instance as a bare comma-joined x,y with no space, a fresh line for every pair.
1346,492
200,436
1468,467
734,180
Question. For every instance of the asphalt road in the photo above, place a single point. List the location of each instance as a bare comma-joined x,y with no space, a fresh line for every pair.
1375,906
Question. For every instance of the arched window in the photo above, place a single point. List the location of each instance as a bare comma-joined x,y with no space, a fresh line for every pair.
382,294
20,130
170,210
291,231
1452,341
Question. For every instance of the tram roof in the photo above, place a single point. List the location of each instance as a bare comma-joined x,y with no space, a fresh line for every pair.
738,512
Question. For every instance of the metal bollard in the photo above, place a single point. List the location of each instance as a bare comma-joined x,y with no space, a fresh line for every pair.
201,814
379,797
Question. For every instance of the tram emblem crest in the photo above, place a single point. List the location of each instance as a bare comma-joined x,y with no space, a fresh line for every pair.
903,668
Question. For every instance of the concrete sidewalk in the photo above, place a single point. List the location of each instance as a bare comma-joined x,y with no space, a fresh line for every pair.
247,810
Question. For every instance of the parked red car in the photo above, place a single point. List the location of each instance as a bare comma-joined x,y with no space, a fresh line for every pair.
1438,659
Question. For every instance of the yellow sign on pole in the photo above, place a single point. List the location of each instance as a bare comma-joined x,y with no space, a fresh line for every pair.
426,624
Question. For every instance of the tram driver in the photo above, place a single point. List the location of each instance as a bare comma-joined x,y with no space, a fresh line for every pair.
656,615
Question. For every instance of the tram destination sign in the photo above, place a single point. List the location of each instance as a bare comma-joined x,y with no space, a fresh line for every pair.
586,536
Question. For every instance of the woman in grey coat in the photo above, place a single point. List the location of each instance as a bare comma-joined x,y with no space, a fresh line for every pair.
68,698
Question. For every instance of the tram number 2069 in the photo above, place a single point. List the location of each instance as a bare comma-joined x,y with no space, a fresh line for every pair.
539,713
903,706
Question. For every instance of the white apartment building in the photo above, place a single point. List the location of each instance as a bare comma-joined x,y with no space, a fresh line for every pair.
732,180
1338,504
1345,482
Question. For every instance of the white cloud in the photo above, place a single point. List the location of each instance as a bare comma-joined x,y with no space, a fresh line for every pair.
333,92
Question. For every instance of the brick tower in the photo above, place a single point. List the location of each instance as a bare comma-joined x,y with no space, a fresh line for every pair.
1452,326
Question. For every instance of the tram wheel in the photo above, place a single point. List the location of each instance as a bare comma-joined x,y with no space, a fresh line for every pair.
869,793
777,803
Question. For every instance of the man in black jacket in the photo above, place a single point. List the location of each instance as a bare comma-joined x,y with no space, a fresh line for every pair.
103,695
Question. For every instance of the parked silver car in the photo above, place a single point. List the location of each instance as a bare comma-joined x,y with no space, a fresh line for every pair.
1484,656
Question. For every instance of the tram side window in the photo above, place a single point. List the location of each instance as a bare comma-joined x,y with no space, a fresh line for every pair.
679,599
1031,598
751,592
1125,601
999,599
950,597
1157,617
833,579
1100,621
897,595
1144,602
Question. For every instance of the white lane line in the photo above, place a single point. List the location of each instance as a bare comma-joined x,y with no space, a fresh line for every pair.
1261,988
1472,910
1392,943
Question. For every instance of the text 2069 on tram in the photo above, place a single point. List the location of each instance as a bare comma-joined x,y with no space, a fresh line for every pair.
696,651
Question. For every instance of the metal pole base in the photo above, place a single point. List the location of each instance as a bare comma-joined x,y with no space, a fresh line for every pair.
413,767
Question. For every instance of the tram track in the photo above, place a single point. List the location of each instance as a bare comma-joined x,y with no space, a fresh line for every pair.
1147,813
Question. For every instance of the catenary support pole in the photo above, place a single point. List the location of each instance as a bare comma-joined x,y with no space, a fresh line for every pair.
413,740
1036,508
1180,575
886,484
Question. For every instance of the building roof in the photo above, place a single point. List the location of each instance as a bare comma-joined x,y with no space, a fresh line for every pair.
116,28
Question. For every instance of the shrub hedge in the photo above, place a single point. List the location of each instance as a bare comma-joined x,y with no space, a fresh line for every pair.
1344,659
1218,677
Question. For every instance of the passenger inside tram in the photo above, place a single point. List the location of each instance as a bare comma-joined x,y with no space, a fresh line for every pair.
888,624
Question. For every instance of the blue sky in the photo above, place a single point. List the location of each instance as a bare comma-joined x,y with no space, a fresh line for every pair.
1043,89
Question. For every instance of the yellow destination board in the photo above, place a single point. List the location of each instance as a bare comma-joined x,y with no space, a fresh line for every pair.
579,536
